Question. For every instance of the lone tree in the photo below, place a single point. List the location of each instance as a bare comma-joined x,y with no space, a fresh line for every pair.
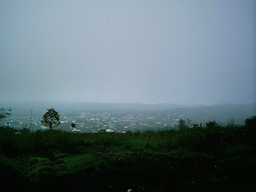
50,118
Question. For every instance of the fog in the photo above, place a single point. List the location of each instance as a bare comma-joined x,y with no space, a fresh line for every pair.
182,52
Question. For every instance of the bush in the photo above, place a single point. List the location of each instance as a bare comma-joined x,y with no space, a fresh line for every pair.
25,130
78,163
211,124
137,133
251,122
10,146
128,132
11,170
200,139
40,169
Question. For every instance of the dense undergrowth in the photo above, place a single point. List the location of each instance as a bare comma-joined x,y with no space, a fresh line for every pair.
213,157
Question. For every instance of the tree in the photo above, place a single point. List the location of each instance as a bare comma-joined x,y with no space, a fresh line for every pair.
251,122
73,125
189,122
195,126
211,124
102,131
3,113
182,124
51,118
231,123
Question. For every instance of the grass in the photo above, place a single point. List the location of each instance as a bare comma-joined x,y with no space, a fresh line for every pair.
189,155
81,162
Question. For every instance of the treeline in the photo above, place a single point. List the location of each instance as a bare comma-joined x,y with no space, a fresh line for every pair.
16,142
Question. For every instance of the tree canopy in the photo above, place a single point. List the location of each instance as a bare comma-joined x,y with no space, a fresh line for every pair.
251,122
182,124
50,118
4,113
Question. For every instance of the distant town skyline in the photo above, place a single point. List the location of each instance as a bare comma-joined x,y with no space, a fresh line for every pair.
181,52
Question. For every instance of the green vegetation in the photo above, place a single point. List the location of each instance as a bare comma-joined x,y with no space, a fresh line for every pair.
4,113
51,118
199,158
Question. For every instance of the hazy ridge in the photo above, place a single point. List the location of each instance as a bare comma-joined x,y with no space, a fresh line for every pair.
197,113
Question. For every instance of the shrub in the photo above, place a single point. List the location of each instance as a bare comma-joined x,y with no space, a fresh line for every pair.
251,122
137,133
237,150
40,169
128,132
81,162
211,124
11,170
10,146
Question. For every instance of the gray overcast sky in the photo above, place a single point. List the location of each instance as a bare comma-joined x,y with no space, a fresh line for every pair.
175,51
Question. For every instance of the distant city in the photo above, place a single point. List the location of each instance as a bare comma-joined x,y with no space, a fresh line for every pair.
121,120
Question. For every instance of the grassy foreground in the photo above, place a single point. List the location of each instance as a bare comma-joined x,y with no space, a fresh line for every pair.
215,158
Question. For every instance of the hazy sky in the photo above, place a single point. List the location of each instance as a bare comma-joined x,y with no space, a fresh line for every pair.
166,51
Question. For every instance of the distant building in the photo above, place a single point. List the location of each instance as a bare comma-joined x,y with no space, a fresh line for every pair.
43,127
76,130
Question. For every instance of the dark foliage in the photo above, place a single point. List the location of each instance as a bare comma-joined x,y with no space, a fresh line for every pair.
251,122
211,124
51,118
211,158
4,113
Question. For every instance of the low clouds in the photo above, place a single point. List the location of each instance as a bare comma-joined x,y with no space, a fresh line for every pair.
152,52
